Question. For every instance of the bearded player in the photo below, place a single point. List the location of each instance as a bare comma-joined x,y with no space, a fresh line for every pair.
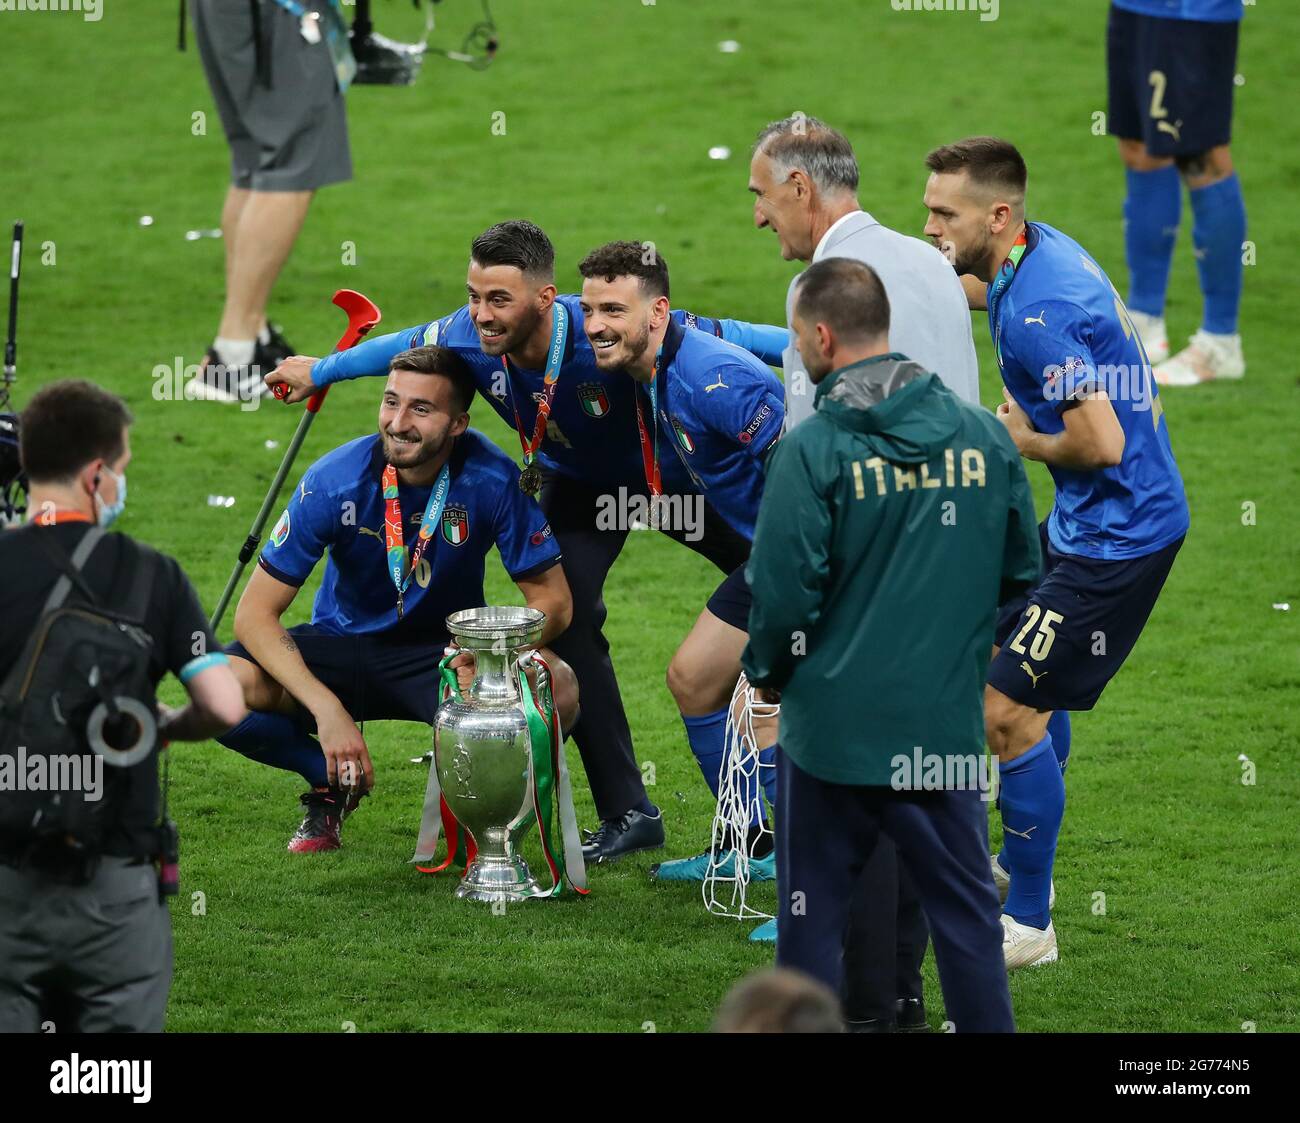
533,364
1081,399
708,413
407,517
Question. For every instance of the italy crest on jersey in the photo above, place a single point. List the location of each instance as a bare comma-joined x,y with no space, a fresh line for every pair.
595,402
455,525
683,437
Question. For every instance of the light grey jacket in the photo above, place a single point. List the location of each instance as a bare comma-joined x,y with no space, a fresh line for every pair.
930,319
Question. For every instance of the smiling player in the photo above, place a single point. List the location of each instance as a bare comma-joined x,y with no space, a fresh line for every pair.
1081,399
407,517
720,411
532,362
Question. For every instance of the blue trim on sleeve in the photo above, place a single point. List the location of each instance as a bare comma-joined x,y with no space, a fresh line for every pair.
280,575
202,663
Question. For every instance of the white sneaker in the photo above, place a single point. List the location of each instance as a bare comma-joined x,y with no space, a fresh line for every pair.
1024,946
1002,880
1151,330
1206,358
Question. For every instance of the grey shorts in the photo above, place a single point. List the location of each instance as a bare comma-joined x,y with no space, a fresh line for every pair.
292,135
94,958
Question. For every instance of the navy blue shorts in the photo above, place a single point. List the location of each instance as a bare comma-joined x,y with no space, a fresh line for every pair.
731,600
376,679
1064,640
1171,82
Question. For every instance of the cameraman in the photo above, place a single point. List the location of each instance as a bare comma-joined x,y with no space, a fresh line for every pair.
84,936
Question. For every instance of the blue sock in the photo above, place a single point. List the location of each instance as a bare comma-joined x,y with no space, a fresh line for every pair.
1218,231
275,740
767,773
646,807
708,739
707,736
1033,803
1059,728
1151,212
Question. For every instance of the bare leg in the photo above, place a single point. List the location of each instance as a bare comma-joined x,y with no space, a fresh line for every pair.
264,233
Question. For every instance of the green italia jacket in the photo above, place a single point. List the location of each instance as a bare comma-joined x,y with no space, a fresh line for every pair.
893,522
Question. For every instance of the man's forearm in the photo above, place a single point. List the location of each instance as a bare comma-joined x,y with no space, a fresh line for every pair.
369,357
277,654
191,723
1061,450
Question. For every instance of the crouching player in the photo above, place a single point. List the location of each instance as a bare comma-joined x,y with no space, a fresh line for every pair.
407,517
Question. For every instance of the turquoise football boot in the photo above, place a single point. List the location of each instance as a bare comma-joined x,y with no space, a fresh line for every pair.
696,868
764,933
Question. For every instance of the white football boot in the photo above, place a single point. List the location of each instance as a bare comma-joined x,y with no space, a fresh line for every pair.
1024,946
1002,880
1206,358
1151,330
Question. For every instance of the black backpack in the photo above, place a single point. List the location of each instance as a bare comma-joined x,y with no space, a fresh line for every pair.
81,689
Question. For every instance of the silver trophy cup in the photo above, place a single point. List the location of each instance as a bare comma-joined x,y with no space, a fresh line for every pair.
481,749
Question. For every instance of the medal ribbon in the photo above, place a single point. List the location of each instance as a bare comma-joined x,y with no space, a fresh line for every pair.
400,569
999,285
650,441
554,360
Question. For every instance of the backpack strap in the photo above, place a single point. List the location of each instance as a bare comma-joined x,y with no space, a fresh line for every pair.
137,601
71,567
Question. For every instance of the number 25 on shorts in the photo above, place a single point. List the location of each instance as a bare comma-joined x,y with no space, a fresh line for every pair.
1040,621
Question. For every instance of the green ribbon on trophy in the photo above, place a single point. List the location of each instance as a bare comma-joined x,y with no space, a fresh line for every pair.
549,787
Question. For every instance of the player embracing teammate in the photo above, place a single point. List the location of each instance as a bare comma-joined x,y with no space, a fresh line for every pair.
1080,397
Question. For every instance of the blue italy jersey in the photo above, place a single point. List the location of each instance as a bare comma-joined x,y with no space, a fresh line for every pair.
1062,328
720,412
338,508
591,435
1212,11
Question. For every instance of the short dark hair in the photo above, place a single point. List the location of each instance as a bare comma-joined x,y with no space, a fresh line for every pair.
804,142
845,294
779,1000
68,424
519,243
628,259
990,161
443,361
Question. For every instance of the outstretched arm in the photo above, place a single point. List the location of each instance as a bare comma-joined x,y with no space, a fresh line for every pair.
305,375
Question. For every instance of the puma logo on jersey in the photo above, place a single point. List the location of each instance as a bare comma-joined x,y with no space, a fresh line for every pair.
1174,131
303,492
1024,666
719,385
373,533
1020,834
1037,319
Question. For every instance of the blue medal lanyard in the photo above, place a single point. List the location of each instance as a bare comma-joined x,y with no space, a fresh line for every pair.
401,568
1000,284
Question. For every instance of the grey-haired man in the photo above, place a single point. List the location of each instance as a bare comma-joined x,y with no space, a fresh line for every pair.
804,178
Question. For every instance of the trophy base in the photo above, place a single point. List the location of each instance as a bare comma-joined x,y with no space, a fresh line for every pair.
497,880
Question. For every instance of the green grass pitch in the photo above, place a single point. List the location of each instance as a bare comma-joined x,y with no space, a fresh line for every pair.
610,108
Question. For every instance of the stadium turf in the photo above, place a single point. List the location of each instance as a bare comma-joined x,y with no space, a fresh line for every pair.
1177,881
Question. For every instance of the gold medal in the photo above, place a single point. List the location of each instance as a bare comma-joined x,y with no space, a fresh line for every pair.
530,480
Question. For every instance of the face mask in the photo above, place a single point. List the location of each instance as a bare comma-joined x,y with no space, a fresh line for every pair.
106,514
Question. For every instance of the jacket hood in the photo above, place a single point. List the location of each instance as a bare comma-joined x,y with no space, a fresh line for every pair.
905,413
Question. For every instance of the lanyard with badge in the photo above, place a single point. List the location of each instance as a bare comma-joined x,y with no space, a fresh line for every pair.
999,286
329,25
399,569
530,478
650,437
